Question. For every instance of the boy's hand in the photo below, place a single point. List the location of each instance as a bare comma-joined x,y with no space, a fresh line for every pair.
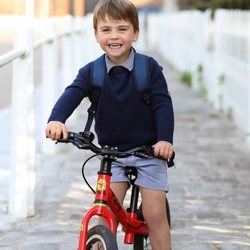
163,149
56,130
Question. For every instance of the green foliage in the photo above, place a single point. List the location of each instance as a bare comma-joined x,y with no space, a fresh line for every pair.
186,78
200,4
202,88
200,69
214,4
230,4
221,79
220,99
230,113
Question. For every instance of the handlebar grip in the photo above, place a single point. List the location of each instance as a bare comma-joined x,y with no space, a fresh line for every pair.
170,162
71,135
69,138
62,141
148,151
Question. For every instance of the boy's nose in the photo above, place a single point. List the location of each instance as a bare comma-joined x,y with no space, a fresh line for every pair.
113,35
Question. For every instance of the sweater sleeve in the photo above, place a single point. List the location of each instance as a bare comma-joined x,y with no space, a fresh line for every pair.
162,103
72,96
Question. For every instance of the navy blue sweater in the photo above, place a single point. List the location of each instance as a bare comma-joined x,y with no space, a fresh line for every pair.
122,118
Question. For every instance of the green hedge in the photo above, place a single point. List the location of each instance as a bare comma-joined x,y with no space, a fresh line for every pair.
230,4
215,4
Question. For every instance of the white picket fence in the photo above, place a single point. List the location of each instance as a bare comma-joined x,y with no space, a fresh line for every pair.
65,45
216,53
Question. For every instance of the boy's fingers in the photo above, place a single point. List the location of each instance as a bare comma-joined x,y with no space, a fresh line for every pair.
164,150
59,133
47,132
64,133
170,153
56,131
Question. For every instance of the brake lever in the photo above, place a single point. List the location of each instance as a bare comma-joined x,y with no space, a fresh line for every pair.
80,145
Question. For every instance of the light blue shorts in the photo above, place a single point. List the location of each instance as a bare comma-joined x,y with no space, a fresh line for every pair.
152,172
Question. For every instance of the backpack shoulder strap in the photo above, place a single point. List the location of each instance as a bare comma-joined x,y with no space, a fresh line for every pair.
97,75
141,77
98,71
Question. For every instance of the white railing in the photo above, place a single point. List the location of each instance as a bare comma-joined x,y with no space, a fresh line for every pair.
216,53
65,46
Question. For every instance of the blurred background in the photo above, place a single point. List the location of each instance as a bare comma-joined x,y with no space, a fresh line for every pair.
44,42
82,7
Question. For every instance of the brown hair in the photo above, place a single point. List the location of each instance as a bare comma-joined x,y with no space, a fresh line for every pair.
118,10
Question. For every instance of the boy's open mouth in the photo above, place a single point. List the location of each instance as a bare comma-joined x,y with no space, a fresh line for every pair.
115,45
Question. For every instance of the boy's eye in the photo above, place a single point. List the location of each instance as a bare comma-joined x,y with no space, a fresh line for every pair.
105,30
123,28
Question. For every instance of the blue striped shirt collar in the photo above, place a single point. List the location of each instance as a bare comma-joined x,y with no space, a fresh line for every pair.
128,64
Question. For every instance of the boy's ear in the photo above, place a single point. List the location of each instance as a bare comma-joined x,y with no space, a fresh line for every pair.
136,35
96,36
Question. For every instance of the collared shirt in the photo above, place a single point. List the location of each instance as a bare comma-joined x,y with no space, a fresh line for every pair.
128,64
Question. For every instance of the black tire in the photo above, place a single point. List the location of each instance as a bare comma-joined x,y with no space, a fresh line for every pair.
104,236
141,242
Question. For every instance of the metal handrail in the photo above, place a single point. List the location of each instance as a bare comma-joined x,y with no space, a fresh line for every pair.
12,55
39,43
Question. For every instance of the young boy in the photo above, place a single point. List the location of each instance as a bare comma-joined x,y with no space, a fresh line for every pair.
123,119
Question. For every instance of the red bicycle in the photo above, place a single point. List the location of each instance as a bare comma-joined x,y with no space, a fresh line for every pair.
131,219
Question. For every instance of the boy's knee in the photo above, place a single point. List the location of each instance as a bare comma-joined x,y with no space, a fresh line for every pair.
154,216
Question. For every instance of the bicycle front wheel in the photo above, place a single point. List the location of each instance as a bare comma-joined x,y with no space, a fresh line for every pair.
102,238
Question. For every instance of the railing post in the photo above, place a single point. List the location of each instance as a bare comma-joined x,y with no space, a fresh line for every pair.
218,102
50,82
79,57
78,43
67,53
92,48
22,158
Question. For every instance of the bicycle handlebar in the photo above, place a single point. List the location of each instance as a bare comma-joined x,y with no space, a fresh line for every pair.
84,140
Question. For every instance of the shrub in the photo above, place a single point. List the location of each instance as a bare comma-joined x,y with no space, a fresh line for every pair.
186,78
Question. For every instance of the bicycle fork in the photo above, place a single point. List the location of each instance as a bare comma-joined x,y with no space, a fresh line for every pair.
100,203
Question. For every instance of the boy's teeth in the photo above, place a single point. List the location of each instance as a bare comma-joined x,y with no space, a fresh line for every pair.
114,45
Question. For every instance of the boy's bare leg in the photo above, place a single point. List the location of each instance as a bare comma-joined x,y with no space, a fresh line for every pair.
154,212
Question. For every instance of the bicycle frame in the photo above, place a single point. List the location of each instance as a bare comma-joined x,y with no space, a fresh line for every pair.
105,202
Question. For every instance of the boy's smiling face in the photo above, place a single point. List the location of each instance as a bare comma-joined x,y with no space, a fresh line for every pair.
115,38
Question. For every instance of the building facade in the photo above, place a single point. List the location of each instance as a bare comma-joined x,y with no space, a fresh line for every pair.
63,7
